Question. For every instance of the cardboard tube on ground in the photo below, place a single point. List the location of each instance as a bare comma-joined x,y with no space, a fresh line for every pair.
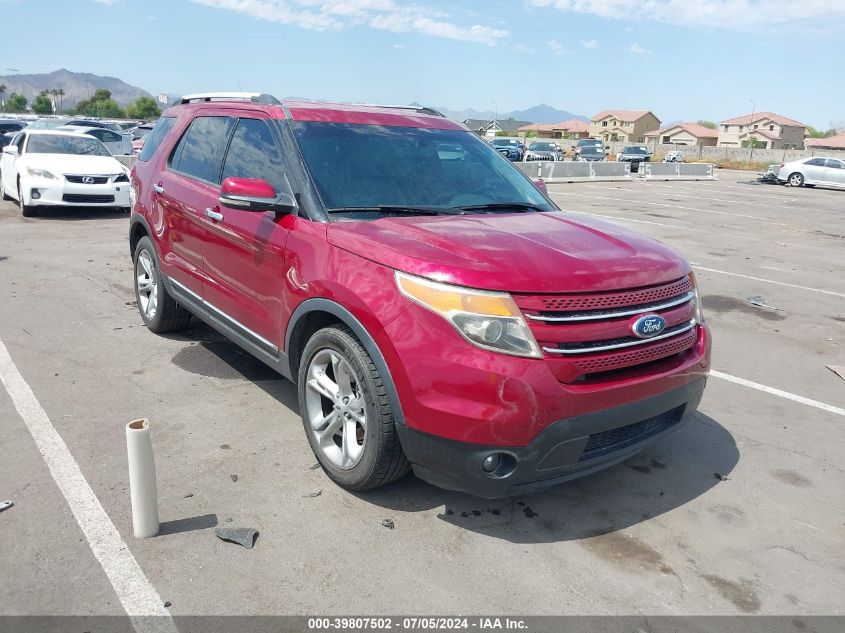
142,479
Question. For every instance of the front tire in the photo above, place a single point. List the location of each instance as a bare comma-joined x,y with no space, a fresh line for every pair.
346,412
158,309
796,179
27,210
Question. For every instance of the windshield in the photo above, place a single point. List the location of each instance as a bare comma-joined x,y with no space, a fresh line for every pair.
371,166
47,124
505,141
635,150
61,144
542,147
589,143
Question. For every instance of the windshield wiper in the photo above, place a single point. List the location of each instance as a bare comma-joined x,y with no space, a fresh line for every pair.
519,207
397,209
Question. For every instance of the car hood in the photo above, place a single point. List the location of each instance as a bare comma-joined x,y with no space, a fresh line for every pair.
60,164
525,252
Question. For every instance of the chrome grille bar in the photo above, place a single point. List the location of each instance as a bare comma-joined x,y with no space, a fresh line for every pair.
603,348
605,314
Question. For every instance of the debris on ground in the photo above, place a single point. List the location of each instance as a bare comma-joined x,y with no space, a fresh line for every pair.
5,505
189,495
241,536
720,476
313,494
315,466
389,524
167,604
227,520
839,370
761,302
234,478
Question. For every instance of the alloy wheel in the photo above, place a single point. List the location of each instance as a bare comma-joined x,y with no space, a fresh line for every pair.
146,281
335,408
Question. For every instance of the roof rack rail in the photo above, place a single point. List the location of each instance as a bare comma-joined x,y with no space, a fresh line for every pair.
416,108
255,97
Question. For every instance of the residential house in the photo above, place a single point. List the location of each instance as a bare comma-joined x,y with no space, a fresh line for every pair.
684,134
767,130
489,127
627,126
566,129
831,142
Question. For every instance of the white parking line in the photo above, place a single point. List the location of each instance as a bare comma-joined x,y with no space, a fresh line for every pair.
770,281
778,392
672,226
138,597
683,195
663,204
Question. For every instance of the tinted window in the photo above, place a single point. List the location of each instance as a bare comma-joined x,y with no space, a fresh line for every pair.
200,150
65,144
254,153
155,137
108,136
542,147
635,150
815,162
832,162
372,165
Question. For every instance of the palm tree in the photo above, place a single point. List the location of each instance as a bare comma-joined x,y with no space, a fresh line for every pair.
61,99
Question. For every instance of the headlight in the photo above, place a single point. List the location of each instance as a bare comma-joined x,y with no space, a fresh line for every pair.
490,320
40,173
699,314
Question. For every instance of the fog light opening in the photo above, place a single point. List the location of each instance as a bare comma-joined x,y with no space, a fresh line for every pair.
498,465
35,194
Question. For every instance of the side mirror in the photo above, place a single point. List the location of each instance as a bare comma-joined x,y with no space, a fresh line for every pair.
541,185
10,149
255,194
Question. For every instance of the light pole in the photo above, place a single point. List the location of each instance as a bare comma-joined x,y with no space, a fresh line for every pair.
750,122
496,116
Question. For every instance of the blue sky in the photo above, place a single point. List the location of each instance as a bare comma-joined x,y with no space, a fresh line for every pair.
683,59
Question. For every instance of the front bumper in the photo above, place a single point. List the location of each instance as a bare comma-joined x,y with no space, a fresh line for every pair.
53,192
564,450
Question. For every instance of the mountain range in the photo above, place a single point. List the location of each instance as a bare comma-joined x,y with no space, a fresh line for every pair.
78,86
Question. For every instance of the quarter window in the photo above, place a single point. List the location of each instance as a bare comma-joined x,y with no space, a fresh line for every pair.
199,153
815,162
254,153
155,137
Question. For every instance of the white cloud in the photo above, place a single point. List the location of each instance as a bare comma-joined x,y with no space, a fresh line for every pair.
385,15
590,43
636,48
555,47
726,14
524,48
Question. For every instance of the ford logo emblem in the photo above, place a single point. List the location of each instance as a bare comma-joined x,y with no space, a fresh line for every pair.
648,325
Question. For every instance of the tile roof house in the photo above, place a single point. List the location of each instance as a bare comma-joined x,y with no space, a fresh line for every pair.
489,127
831,142
684,134
565,129
767,130
627,126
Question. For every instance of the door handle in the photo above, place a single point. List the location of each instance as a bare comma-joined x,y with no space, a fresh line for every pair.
214,215
158,188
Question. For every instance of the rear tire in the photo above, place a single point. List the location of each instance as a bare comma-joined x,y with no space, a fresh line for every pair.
346,412
796,179
158,309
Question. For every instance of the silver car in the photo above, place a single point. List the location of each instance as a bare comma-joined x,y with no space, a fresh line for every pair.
827,172
118,144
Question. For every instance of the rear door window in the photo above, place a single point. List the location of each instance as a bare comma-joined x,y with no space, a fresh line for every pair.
199,153
254,153
815,162
835,164
155,137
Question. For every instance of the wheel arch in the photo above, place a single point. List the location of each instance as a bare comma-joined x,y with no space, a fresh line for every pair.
314,314
138,228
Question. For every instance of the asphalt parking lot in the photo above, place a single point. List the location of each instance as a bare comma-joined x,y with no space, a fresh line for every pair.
739,512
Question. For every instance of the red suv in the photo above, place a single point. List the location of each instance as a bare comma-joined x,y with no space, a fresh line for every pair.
436,309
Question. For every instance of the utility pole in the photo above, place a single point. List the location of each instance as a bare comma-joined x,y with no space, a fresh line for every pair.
750,139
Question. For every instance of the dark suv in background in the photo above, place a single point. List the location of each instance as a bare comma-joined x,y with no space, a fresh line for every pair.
590,149
634,154
511,148
435,309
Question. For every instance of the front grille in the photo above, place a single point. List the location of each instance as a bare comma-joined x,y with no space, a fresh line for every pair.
87,199
601,444
95,180
591,333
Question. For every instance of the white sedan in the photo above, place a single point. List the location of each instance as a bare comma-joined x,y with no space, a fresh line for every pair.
117,143
53,168
827,172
